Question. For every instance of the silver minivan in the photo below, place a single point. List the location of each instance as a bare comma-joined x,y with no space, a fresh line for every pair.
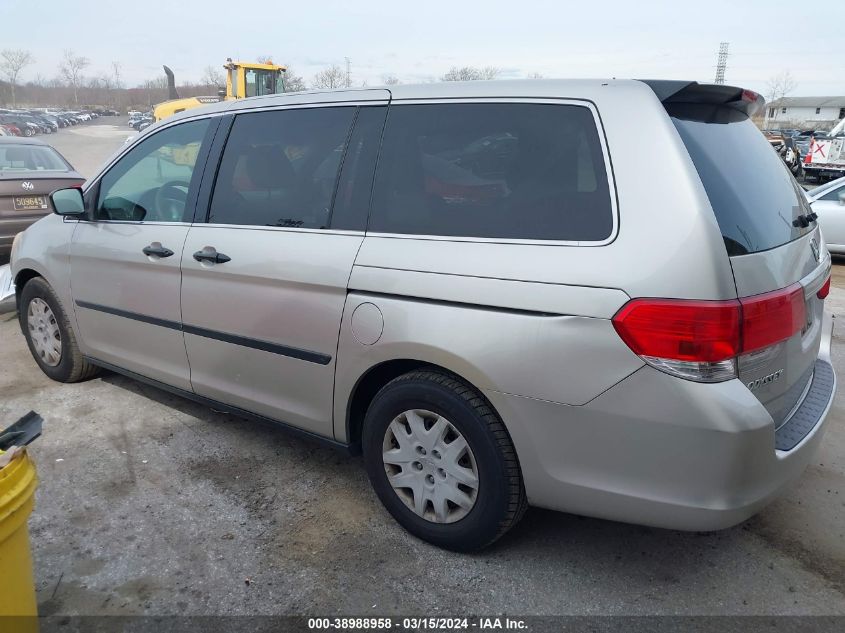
600,297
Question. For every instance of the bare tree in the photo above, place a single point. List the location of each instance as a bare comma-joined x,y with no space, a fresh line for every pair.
390,80
293,82
212,76
12,62
489,72
471,73
331,77
265,59
781,85
71,69
534,76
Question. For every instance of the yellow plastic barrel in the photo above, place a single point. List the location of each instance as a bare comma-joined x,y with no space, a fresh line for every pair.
17,496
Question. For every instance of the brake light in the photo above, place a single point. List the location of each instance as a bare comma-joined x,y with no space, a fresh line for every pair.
701,340
824,290
701,331
772,317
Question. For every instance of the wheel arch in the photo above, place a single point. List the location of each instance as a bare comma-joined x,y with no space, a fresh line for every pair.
24,276
376,377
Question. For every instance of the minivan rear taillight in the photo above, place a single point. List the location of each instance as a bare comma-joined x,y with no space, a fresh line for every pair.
701,340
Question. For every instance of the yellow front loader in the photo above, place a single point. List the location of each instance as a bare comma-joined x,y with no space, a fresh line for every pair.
243,79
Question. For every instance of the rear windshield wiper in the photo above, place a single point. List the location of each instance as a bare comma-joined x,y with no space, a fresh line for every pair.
803,221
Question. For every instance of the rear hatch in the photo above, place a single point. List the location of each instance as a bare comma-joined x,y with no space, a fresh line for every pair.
770,236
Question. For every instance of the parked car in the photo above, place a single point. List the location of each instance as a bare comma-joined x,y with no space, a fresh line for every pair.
46,124
146,119
29,171
5,132
10,129
828,201
27,128
466,292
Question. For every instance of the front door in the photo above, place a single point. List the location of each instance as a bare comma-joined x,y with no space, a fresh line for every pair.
125,276
264,281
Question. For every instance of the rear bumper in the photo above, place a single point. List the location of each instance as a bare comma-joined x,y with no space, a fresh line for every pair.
656,450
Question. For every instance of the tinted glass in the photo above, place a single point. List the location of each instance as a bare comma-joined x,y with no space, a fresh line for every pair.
279,168
514,171
752,193
352,200
24,158
151,182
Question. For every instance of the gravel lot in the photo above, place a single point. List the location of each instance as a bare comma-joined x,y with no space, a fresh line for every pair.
151,504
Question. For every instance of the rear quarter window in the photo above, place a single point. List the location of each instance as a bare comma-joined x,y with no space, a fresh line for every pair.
491,170
753,195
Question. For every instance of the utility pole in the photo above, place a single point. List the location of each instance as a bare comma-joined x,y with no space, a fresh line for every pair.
722,62
348,72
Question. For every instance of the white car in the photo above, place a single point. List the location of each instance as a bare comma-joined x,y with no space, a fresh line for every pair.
828,201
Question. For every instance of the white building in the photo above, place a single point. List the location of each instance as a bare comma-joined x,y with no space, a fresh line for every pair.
804,112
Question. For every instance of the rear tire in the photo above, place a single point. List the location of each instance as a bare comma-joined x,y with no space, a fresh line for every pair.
46,328
487,471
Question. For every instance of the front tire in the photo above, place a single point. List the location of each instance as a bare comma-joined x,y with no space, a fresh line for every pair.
48,334
442,462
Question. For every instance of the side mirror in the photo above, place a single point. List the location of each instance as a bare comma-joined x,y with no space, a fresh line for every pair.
68,202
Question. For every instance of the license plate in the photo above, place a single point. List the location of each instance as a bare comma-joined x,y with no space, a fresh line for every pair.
30,203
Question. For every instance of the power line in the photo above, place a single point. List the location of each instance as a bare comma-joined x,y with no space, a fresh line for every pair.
722,62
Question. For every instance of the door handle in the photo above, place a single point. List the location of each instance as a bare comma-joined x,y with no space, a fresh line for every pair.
156,249
209,254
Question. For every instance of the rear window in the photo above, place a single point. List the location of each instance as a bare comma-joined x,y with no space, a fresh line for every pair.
22,158
752,193
492,170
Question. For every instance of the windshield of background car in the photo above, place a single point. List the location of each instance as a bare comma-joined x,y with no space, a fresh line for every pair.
29,158
752,193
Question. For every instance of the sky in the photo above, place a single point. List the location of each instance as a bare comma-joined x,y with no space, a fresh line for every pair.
420,41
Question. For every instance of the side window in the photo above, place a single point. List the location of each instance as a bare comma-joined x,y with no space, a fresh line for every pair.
511,171
279,168
833,194
151,182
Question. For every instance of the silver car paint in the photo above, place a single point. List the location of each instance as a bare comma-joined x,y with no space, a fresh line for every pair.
281,286
109,269
672,453
526,322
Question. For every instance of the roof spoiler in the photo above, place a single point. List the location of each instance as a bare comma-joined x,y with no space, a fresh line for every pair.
669,91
